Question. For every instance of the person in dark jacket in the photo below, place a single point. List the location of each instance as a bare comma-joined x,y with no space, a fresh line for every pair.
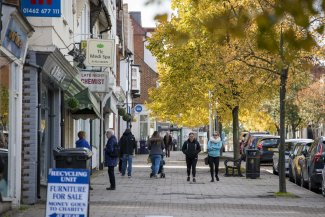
111,161
168,140
191,148
128,146
156,147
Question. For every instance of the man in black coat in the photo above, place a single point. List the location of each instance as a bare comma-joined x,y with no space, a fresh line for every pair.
191,148
128,146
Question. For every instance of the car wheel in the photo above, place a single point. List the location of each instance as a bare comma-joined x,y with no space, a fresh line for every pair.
291,179
274,171
310,184
323,187
302,181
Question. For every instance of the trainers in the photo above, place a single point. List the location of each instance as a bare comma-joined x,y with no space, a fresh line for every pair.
188,178
129,176
217,178
212,180
194,180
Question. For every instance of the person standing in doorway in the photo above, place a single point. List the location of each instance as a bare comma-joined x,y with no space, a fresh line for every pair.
128,146
214,149
111,157
83,143
168,140
156,147
191,148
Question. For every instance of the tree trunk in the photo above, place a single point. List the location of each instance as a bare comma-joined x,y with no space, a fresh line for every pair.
235,131
282,175
293,131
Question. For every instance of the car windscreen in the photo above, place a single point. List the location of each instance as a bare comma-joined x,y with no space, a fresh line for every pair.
271,142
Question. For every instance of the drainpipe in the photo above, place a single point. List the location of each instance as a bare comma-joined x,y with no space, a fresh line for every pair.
39,132
107,17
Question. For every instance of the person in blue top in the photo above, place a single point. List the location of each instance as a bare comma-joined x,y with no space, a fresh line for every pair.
82,142
110,159
214,146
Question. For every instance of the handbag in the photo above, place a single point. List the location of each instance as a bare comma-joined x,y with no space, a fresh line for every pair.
206,160
149,160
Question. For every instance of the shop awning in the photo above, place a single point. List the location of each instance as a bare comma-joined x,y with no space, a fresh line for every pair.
88,106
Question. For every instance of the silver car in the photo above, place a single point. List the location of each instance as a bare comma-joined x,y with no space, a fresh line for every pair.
288,148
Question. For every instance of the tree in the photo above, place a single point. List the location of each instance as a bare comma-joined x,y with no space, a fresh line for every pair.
227,37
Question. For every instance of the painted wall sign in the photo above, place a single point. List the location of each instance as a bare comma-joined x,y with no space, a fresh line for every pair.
41,8
15,39
67,193
100,52
95,81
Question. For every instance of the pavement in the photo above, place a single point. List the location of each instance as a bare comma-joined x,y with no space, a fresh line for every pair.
173,196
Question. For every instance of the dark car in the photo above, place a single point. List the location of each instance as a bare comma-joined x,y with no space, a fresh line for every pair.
323,182
266,145
249,140
299,146
313,164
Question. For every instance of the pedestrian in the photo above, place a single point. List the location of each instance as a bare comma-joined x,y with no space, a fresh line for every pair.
310,134
128,146
191,148
111,157
156,146
83,143
168,140
214,149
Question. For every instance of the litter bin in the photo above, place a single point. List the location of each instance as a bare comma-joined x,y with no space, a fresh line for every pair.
252,163
73,158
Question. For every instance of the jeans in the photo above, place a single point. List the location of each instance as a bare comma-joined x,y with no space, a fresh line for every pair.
214,162
127,159
111,176
191,164
155,160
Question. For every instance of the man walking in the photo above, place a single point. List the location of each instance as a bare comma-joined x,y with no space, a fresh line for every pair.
191,148
128,146
168,140
111,157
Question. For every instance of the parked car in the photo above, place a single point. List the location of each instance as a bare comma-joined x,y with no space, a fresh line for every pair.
266,144
323,182
288,148
295,156
313,164
248,140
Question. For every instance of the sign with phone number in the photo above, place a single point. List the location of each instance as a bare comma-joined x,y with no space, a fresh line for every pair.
41,8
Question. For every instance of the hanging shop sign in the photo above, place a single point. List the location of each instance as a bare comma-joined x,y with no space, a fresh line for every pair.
100,52
67,192
15,39
41,8
95,81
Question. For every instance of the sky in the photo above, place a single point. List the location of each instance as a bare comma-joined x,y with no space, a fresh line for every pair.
148,12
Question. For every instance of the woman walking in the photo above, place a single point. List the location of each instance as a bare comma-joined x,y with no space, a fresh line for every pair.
156,146
214,146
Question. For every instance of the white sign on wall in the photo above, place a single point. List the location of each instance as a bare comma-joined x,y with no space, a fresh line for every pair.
67,193
100,52
95,81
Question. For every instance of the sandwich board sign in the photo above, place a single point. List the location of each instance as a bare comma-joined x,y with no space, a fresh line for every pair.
67,193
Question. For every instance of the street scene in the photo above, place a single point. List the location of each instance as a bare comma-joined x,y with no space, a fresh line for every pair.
154,108
174,196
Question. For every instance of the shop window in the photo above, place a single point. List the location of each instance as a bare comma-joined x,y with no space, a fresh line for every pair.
4,128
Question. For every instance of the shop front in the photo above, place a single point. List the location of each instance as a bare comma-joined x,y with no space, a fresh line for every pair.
13,45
